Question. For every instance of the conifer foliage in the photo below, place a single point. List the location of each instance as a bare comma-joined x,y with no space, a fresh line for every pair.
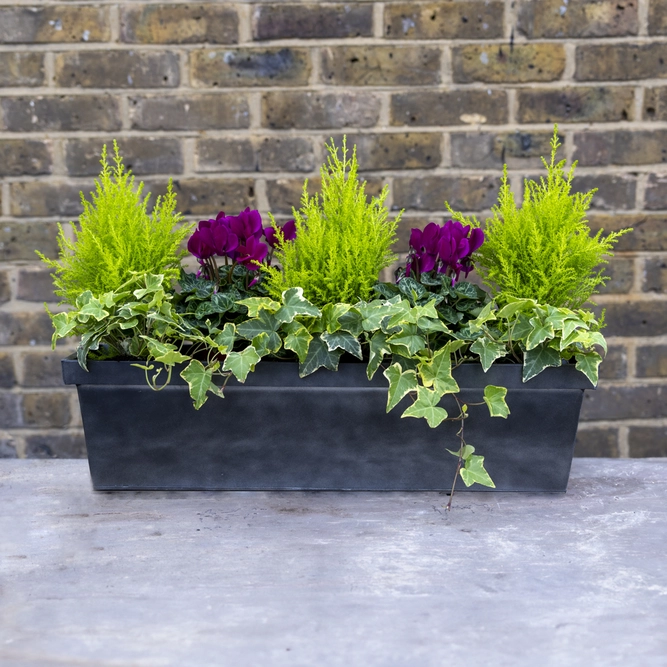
544,250
117,237
342,241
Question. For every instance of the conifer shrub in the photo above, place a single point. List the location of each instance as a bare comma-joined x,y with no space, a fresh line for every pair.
116,236
544,250
342,241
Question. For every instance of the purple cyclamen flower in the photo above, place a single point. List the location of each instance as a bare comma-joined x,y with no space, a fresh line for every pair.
246,224
288,231
200,244
252,253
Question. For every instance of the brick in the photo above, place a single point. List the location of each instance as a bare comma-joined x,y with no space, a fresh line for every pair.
39,199
21,68
621,272
655,196
655,103
42,369
500,64
621,62
649,230
380,65
310,21
8,447
428,193
651,361
207,197
655,274
226,155
45,410
286,66
55,24
143,155
634,318
179,24
615,364
19,240
60,113
25,328
35,284
10,409
287,154
487,150
5,290
286,110
573,105
56,446
613,191
444,20
621,147
454,107
24,157
609,402
120,69
409,150
193,112
657,17
285,193
407,223
7,374
597,442
647,441
577,18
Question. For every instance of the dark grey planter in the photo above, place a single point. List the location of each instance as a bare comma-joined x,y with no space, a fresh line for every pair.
328,431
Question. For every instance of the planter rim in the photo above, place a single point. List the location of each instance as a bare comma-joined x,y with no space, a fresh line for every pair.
285,374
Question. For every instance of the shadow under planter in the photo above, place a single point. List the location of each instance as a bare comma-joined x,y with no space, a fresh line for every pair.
328,431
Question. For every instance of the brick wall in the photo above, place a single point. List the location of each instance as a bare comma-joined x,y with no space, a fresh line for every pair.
235,101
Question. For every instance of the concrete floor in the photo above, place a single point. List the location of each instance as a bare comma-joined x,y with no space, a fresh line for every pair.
333,578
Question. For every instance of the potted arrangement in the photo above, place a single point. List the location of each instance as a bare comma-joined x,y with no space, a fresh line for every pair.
346,360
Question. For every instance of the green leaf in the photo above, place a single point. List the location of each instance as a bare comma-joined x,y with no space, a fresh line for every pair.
256,304
514,307
89,341
264,323
153,284
295,304
220,302
241,363
63,324
437,373
199,381
129,324
298,340
267,343
400,383
571,325
351,322
412,289
331,313
521,327
485,316
165,353
488,351
494,397
539,358
433,325
588,364
344,341
225,339
409,339
541,331
372,314
467,290
319,356
92,309
378,348
465,453
474,472
426,406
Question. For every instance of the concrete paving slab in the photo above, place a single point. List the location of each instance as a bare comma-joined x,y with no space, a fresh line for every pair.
161,579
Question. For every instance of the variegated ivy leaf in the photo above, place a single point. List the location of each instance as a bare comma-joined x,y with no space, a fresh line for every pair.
152,283
92,309
541,331
515,306
256,304
265,322
474,472
588,363
331,313
63,325
351,322
431,325
409,339
437,373
539,358
241,363
267,343
465,452
487,351
494,397
521,327
129,324
571,325
586,339
400,383
319,356
199,381
426,407
372,314
344,341
225,339
298,340
486,315
165,353
83,299
295,304
378,348
454,345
